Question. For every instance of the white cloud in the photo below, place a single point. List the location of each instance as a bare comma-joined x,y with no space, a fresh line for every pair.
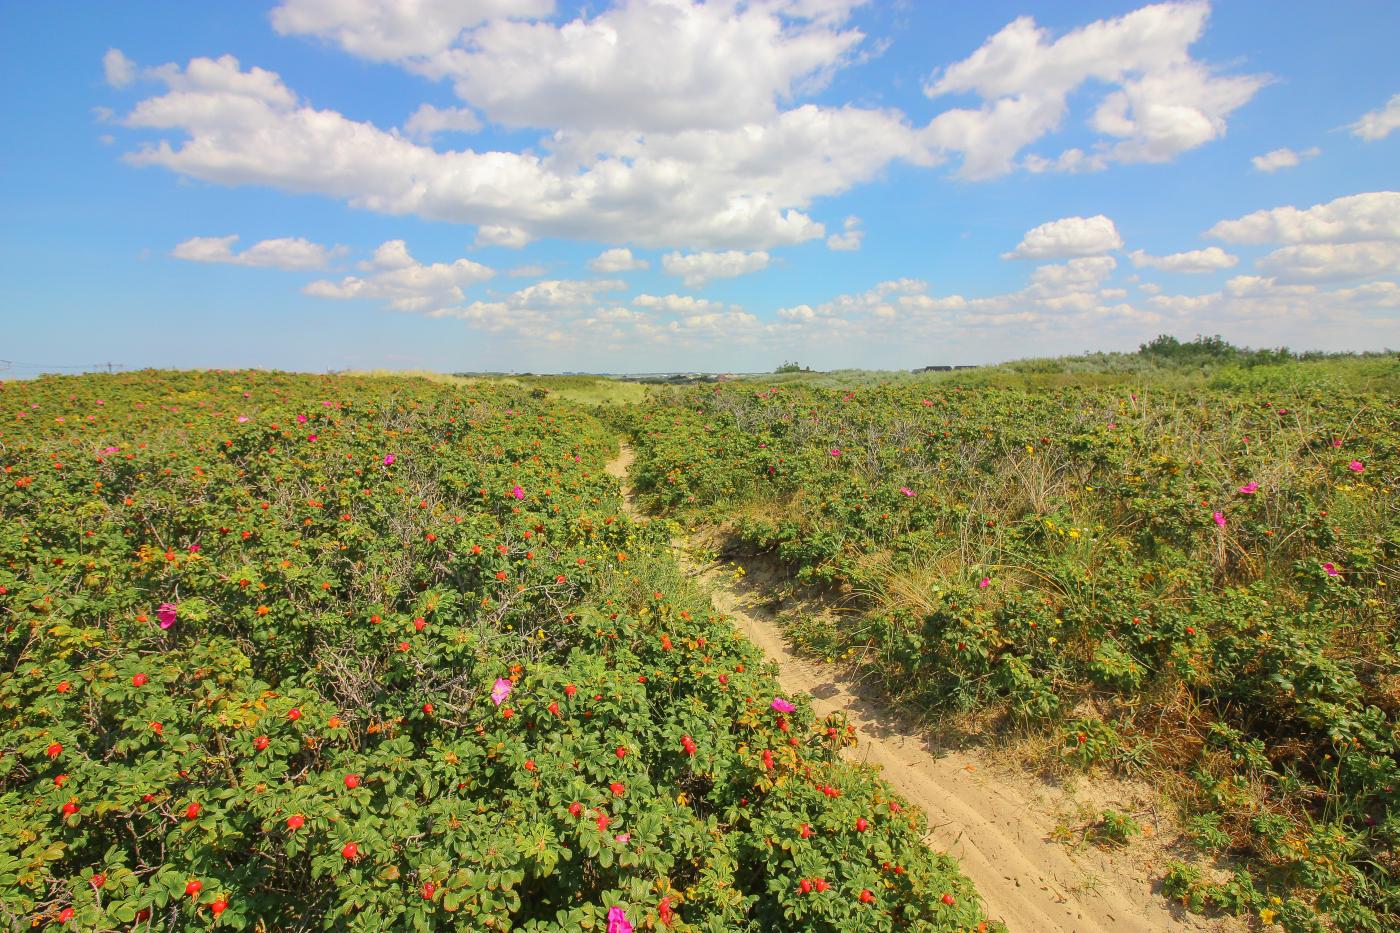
1164,102
552,307
566,293
1379,123
929,305
729,325
118,69
849,241
620,314
681,305
1282,158
1058,296
1068,236
405,283
644,65
510,237
1210,259
739,189
1077,277
292,253
1374,215
665,124
801,312
212,80
384,30
1263,286
565,314
882,301
391,254
529,270
1374,295
1071,161
619,259
1255,301
695,269
1324,262
427,121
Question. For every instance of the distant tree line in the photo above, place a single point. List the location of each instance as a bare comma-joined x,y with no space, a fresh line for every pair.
1216,350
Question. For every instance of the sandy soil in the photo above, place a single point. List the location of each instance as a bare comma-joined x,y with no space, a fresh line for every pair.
997,821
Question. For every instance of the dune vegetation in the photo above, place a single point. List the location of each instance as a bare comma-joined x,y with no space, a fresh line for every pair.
300,652
1182,563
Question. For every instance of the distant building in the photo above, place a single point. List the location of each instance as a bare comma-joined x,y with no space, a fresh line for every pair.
942,369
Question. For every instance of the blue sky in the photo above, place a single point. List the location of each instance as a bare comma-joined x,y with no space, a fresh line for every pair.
659,184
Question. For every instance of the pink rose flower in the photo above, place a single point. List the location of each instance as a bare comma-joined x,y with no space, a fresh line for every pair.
617,921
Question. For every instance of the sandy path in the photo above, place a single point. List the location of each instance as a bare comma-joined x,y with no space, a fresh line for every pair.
998,825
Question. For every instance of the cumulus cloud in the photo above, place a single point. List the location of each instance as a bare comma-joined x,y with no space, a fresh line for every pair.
681,305
1078,277
645,65
1068,236
118,69
560,312
1378,123
1058,295
619,259
696,269
404,282
1162,103
212,80
1210,259
730,325
741,189
1327,262
386,31
1263,299
391,254
550,306
292,253
1373,215
505,235
849,240
881,301
666,124
1282,158
1068,304
1071,161
427,121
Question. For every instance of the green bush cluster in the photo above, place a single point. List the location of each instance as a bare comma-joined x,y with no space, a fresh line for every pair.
1212,570
292,652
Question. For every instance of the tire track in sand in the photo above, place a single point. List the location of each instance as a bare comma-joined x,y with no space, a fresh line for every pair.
999,832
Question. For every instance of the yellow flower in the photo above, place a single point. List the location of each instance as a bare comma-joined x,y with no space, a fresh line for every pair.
1267,915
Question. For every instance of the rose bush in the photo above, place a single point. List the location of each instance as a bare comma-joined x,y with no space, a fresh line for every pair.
295,652
1211,569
